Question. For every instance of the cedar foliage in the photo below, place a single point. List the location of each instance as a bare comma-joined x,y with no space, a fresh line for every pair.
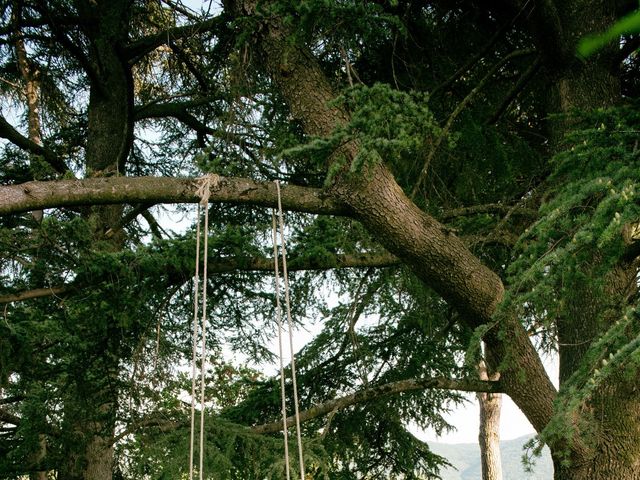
123,326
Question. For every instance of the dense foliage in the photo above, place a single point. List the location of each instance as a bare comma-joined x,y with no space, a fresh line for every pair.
459,100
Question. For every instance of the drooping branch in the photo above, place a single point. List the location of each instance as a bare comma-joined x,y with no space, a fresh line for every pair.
156,230
73,47
178,7
128,218
517,88
8,132
496,208
369,394
232,264
151,421
198,73
360,302
361,396
168,108
505,238
116,190
31,22
180,111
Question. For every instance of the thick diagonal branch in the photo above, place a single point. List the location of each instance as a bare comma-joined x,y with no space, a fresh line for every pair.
438,257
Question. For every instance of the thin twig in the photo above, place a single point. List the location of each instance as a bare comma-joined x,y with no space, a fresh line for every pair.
481,53
458,110
517,88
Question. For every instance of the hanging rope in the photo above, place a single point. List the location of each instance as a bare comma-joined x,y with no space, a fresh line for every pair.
279,317
205,184
283,249
204,190
203,340
195,344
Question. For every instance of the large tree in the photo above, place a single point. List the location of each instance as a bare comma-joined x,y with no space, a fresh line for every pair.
459,172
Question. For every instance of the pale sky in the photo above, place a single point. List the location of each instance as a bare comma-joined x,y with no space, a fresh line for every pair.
513,423
465,418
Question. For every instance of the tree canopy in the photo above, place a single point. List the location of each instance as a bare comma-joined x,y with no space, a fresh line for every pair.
453,173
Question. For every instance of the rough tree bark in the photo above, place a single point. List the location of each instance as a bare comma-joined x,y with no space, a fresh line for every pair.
31,78
117,190
610,449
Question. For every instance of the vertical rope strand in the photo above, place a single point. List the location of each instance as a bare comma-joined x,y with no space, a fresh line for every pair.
204,186
290,325
279,317
204,334
195,344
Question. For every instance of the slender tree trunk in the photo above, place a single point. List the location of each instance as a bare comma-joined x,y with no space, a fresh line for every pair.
31,78
489,433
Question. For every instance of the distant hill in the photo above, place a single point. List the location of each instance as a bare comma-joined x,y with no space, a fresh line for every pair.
466,458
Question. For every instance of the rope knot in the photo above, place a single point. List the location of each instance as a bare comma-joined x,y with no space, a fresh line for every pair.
205,184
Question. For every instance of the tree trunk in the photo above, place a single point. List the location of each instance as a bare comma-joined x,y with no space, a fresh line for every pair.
605,445
110,135
110,110
30,76
615,452
89,431
489,434
591,83
39,458
608,436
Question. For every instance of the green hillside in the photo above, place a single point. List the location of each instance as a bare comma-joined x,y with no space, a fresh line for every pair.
466,459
